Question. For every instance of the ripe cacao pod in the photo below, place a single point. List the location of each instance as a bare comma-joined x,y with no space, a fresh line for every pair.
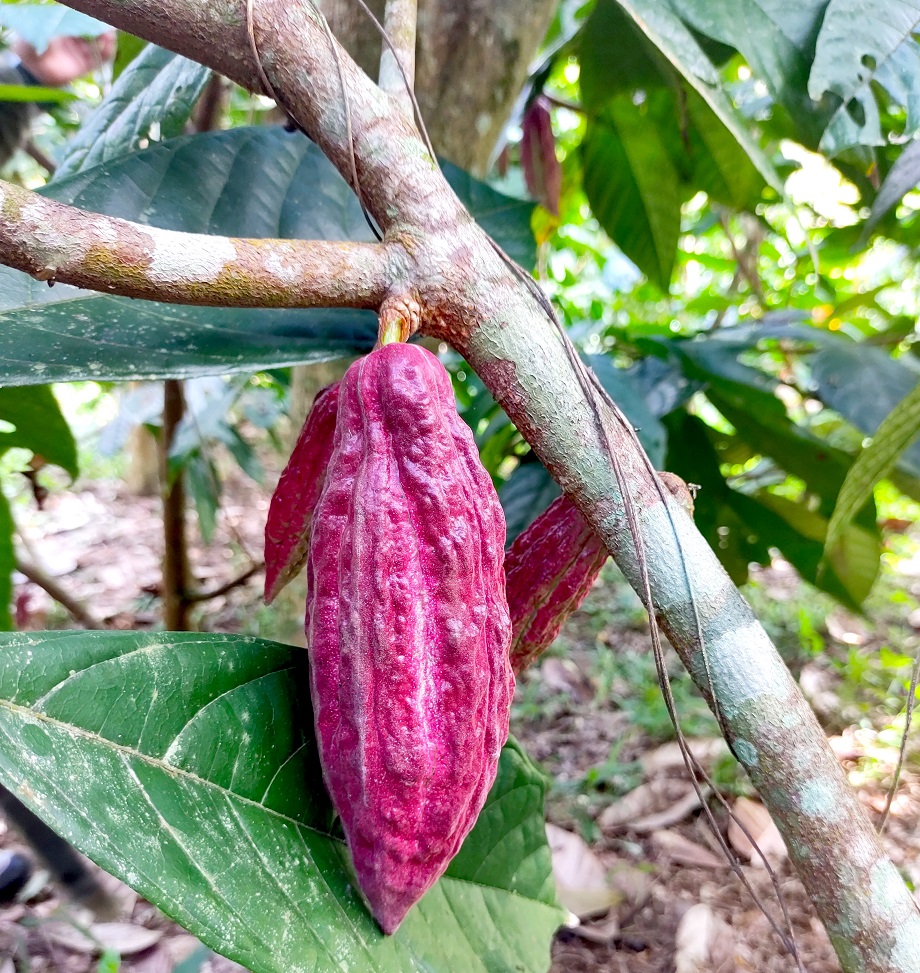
549,570
287,529
407,626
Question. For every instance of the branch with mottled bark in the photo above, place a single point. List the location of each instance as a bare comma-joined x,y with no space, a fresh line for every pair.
468,295
397,62
55,242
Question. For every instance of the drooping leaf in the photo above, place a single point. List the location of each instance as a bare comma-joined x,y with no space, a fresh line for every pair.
525,495
158,88
39,426
633,187
185,764
38,24
660,22
861,44
896,432
255,182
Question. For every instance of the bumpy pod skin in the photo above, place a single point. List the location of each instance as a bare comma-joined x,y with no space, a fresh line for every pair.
287,529
549,570
408,627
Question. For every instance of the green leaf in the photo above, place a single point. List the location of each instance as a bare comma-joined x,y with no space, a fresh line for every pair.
7,563
34,93
127,49
38,23
896,432
254,182
185,764
633,187
158,88
777,38
39,426
864,384
660,22
861,44
901,178
525,495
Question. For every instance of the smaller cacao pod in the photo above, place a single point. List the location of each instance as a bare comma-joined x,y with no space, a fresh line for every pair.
287,529
407,626
549,570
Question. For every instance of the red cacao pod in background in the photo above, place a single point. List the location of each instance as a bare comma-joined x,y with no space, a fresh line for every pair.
407,626
287,529
549,570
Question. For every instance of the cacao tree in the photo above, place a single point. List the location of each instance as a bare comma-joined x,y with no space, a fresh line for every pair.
117,732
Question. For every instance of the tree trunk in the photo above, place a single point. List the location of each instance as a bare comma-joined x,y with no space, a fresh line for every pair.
472,59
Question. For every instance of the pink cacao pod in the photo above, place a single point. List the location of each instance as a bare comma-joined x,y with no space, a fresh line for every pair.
549,570
407,626
287,529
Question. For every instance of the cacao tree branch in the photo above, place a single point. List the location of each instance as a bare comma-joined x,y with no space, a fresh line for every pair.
397,64
470,296
55,242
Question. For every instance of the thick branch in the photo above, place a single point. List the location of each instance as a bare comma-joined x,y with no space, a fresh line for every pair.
55,242
399,21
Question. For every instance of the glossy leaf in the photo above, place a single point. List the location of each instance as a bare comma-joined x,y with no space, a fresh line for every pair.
38,24
633,187
158,88
860,45
185,764
256,182
39,426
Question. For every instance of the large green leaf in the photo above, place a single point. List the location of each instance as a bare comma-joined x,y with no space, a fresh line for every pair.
39,426
864,43
777,39
896,432
255,182
661,23
633,187
39,23
185,765
158,88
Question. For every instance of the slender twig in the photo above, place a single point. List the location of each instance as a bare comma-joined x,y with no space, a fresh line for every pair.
55,242
45,161
397,59
902,753
236,582
79,612
175,548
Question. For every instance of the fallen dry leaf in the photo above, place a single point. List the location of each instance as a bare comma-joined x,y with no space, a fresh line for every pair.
671,815
756,819
668,755
647,798
120,937
684,851
581,879
703,943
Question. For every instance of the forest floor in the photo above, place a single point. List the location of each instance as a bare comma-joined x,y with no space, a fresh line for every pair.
632,853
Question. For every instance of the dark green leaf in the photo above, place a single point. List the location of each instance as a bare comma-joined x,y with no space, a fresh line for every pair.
40,426
185,765
255,182
158,88
633,188
38,24
204,487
